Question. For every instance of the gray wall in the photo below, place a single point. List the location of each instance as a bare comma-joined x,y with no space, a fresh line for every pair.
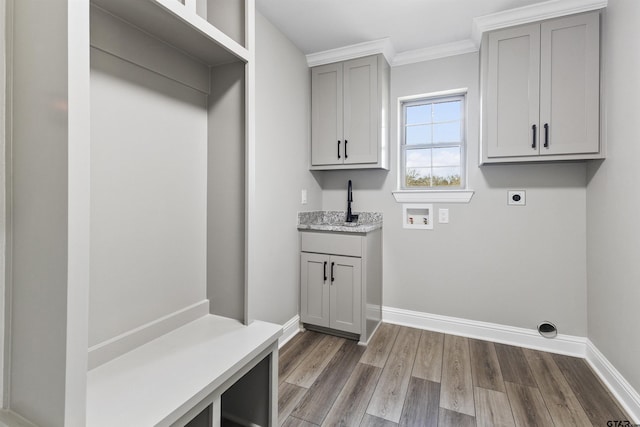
148,196
282,170
39,252
514,266
3,183
225,192
49,211
613,227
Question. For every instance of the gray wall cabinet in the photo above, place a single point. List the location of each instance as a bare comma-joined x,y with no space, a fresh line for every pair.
541,86
349,114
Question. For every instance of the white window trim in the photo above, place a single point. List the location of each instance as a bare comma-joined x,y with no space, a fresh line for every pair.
439,195
433,196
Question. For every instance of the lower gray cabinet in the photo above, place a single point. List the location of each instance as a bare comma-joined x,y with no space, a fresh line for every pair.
331,291
341,282
314,292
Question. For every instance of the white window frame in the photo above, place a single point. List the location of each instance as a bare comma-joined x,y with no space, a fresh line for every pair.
443,194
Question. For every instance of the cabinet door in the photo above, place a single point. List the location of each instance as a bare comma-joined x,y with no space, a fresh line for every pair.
513,92
314,289
361,110
327,144
346,294
570,85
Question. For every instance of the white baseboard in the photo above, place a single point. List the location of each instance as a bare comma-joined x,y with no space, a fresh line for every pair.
289,330
627,396
569,345
563,344
11,419
110,349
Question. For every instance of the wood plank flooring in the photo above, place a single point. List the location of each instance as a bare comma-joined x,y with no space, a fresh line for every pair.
409,377
388,398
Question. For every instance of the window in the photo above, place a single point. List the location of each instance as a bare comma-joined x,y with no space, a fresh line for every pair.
432,143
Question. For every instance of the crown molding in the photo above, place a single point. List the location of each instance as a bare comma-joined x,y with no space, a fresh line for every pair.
434,52
359,50
534,12
385,47
508,18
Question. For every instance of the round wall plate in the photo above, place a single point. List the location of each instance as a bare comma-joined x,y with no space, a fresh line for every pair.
547,329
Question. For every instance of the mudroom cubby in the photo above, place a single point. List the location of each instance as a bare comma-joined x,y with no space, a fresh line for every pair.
131,128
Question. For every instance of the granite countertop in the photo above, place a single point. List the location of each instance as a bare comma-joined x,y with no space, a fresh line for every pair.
335,221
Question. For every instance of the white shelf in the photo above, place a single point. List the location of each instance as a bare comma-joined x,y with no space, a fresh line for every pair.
160,381
179,26
433,196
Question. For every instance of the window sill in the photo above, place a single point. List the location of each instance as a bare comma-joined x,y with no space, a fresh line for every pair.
433,196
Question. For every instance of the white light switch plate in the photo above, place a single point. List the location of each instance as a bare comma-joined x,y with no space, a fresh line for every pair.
303,196
443,216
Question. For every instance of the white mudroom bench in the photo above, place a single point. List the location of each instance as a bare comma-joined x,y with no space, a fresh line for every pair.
190,376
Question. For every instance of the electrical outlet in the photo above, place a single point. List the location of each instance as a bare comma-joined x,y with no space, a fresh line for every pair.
516,198
443,216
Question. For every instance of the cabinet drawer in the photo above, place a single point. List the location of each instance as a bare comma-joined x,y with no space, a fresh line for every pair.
332,243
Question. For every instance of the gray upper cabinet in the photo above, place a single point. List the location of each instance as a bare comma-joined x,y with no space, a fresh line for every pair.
512,96
349,114
326,115
541,85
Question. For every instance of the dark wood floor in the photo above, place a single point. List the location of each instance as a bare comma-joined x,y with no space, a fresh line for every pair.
410,377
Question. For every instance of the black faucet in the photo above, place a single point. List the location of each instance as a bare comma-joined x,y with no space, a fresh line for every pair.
350,216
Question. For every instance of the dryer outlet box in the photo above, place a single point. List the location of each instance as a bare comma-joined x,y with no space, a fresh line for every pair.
516,198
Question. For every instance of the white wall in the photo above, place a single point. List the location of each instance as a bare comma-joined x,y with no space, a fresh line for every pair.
613,204
515,266
282,170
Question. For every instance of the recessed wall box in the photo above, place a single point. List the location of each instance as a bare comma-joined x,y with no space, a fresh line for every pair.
419,216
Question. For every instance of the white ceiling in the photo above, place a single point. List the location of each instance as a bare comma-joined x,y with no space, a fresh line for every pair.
319,25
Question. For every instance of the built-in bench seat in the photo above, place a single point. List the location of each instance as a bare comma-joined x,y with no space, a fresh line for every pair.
173,378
